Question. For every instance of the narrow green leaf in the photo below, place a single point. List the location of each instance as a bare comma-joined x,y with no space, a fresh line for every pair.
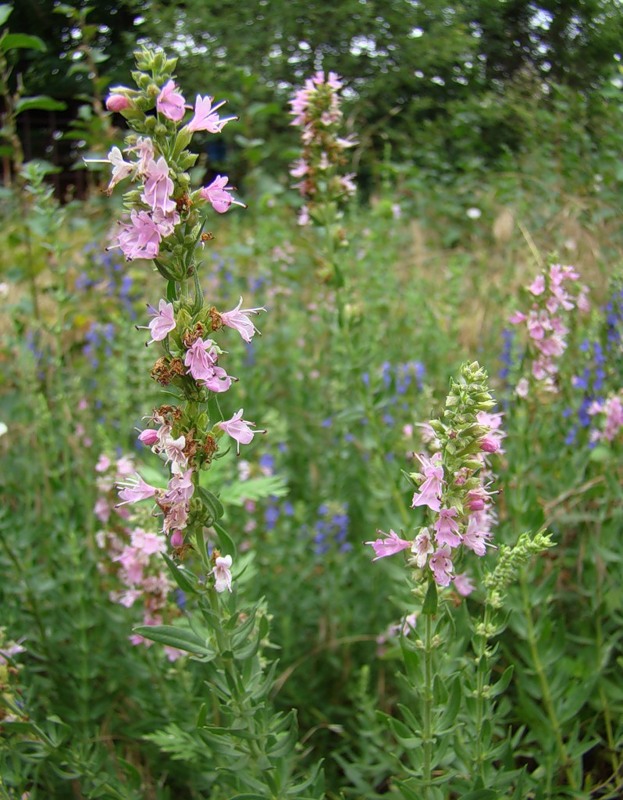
430,601
179,575
171,291
202,715
202,548
411,659
244,652
452,705
227,544
211,502
173,636
502,684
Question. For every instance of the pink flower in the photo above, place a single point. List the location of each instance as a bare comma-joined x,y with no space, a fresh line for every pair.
446,528
124,467
493,421
148,543
149,437
218,194
490,444
517,317
219,380
582,301
522,387
388,546
120,169
612,408
134,490
348,185
117,102
174,450
463,584
163,321
159,187
177,539
239,429
180,487
537,286
102,510
430,490
140,238
299,168
171,103
133,562
206,118
238,318
200,359
222,573
144,147
175,517
477,499
422,547
477,535
173,653
441,565
103,463
536,326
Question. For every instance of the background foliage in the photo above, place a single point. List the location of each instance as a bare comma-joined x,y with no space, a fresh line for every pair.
471,186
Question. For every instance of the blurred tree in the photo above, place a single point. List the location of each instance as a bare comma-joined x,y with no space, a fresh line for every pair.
426,80
408,64
114,38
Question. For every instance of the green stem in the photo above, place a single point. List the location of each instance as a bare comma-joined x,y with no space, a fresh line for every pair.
546,693
599,641
482,672
427,706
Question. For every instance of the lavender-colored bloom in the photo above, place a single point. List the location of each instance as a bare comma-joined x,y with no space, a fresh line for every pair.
267,463
386,374
271,516
506,356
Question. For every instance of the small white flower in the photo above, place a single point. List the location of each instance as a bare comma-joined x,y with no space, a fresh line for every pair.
474,213
222,573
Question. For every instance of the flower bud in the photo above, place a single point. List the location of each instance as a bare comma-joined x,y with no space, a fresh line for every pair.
489,445
117,102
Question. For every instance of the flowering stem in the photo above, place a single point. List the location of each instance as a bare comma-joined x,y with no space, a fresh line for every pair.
427,709
548,701
602,695
482,672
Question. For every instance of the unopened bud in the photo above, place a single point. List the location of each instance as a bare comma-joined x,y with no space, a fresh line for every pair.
117,102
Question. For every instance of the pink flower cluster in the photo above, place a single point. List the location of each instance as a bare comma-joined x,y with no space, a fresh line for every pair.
555,292
156,216
316,109
132,554
179,448
468,523
608,418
